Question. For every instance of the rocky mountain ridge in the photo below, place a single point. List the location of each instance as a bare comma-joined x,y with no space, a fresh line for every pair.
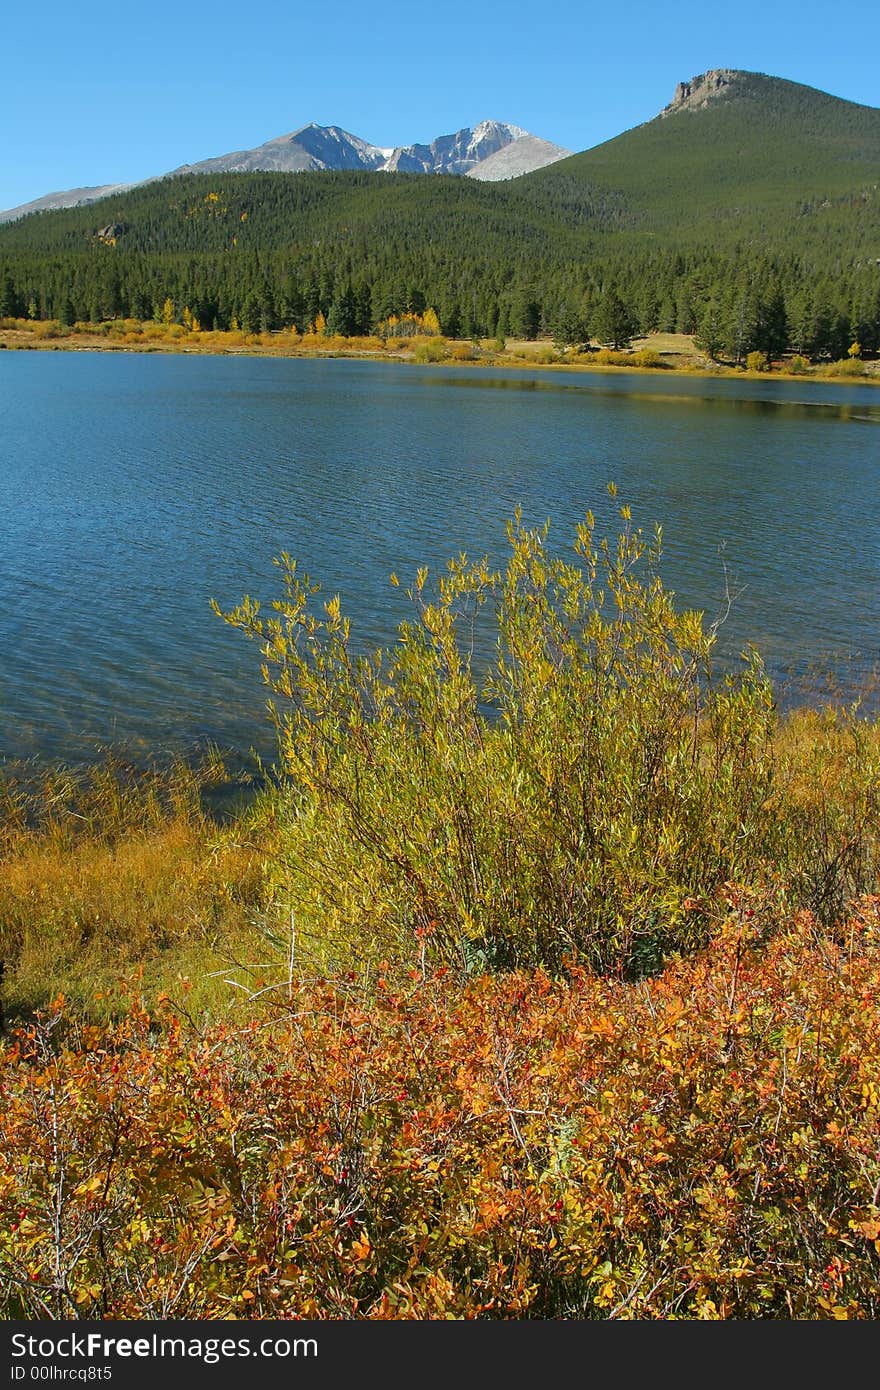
702,89
506,151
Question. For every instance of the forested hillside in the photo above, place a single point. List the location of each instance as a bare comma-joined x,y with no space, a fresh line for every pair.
761,159
753,220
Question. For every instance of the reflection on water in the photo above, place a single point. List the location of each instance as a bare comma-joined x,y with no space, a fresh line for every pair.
137,487
865,412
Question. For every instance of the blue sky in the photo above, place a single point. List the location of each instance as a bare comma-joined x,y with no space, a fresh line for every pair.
99,93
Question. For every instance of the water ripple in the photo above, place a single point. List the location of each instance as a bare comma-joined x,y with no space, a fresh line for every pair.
135,488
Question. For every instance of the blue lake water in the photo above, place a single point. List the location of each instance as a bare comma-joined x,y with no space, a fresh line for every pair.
135,487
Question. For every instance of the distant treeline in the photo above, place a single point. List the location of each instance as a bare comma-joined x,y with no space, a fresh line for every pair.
262,252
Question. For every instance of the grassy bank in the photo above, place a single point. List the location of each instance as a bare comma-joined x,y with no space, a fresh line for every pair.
666,352
552,992
110,875
113,882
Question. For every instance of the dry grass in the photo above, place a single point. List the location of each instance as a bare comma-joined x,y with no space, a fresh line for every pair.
678,346
676,351
103,874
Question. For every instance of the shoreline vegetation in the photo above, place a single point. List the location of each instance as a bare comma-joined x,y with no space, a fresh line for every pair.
573,1012
658,352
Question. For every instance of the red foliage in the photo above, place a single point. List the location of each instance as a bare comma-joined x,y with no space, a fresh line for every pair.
704,1144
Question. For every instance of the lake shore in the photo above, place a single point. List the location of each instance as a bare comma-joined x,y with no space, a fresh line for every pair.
663,353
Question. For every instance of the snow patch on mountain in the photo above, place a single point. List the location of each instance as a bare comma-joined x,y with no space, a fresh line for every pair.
489,150
458,153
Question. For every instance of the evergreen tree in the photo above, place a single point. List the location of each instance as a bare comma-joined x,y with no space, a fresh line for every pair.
613,322
450,319
771,322
800,320
364,309
10,304
710,331
740,327
667,315
251,314
342,318
647,310
525,317
268,317
571,330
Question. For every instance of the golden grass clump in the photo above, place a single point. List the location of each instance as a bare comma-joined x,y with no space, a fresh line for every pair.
106,871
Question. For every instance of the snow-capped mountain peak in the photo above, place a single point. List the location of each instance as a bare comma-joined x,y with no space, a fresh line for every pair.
490,149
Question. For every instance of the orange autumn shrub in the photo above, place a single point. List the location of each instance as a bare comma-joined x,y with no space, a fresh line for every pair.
49,328
703,1144
465,352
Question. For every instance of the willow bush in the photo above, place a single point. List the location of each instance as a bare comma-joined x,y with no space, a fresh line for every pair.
581,799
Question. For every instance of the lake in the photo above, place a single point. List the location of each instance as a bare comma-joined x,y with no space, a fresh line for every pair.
135,487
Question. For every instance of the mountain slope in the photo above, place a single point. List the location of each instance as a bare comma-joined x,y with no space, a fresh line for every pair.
68,198
521,156
310,148
734,157
731,147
